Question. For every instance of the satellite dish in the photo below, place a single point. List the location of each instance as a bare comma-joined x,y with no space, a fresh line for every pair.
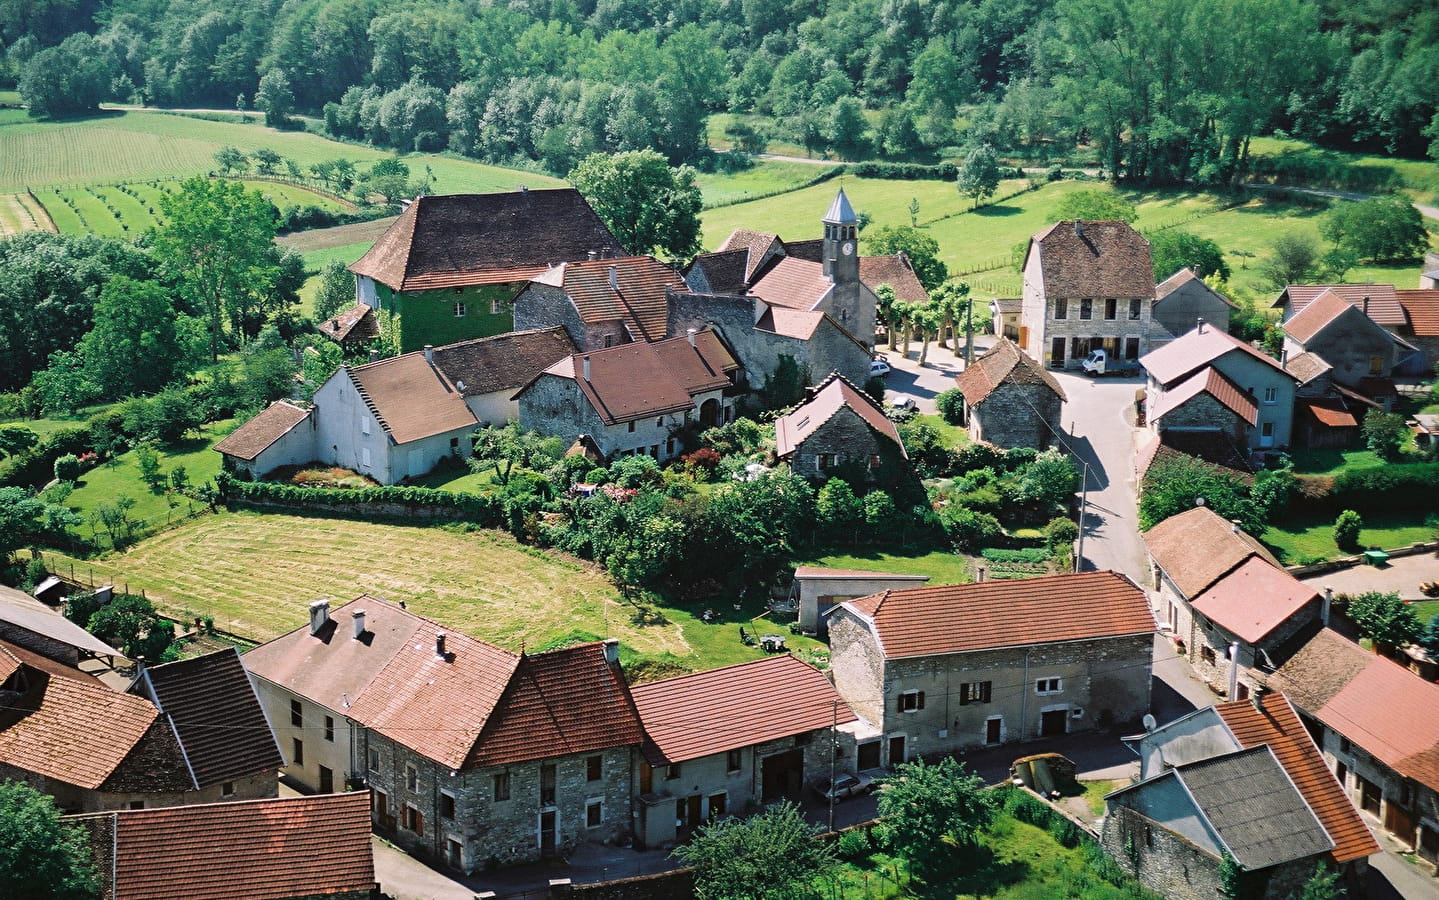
1150,723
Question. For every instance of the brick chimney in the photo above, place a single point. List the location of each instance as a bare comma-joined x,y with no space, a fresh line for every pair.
979,574
359,618
440,647
319,615
1199,325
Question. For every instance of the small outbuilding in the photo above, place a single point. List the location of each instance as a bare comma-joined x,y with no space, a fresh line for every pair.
1010,400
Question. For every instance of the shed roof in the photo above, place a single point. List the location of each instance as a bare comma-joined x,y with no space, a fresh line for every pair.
1005,363
1307,366
1093,259
357,322
261,432
1422,308
833,394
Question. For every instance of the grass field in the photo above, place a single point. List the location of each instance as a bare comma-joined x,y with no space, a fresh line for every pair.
1302,539
19,212
1332,461
1420,177
942,566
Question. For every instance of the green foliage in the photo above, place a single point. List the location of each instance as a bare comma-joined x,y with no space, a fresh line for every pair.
483,509
743,435
17,439
979,174
769,856
134,347
1384,433
69,79
1097,206
648,205
1060,534
1390,487
1174,484
923,807
1381,229
336,292
878,509
785,385
41,856
1429,639
1174,249
1021,555
840,511
1322,885
504,448
921,248
1346,530
130,623
1293,258
1384,618
147,458
1049,480
969,529
950,403
67,468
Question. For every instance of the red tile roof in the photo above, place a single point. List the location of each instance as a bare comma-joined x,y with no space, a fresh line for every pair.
357,322
1254,599
1328,411
1093,259
795,283
1194,350
454,240
1010,613
1278,726
1198,547
737,706
1323,311
249,850
833,394
1214,383
261,432
795,323
633,294
1180,279
894,270
1382,707
1005,363
410,397
1384,306
1422,307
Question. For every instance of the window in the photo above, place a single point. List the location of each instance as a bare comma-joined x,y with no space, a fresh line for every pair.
496,306
1134,307
874,461
1111,309
454,444
447,805
327,780
1376,365
974,692
670,447
1267,430
297,714
299,755
412,778
1344,745
672,771
1271,395
717,805
1049,685
1061,308
734,761
374,760
826,460
502,786
632,428
365,457
1206,654
547,783
137,804
459,310
594,813
594,768
227,789
365,424
660,422
329,729
911,701
1086,308
454,853
609,340
414,820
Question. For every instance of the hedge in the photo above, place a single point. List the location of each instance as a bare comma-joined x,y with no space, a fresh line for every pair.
484,509
905,171
1406,486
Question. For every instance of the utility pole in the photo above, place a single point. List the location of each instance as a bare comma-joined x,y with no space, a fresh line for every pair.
1083,504
833,749
968,333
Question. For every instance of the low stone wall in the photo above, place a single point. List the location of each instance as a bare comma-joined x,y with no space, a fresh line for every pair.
677,884
1349,562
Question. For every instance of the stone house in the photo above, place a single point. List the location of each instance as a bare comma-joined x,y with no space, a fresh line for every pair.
1326,414
728,740
1351,344
840,428
1207,380
818,589
397,418
601,303
253,850
1173,829
1377,725
450,266
1010,400
1224,599
91,748
635,398
941,669
1088,286
28,623
1183,299
534,757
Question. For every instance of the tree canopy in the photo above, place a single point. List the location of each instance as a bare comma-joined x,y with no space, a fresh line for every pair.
923,807
1174,249
1096,206
41,857
769,856
647,204
1381,229
921,248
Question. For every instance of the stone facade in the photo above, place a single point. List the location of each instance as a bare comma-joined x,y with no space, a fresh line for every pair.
1204,413
1354,346
555,406
1272,388
1406,809
1016,415
846,440
543,306
1179,310
1127,331
48,647
988,697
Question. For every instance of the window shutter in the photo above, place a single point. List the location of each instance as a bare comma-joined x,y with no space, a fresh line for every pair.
984,691
419,823
919,703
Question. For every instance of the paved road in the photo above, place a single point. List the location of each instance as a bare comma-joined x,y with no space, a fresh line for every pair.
1403,574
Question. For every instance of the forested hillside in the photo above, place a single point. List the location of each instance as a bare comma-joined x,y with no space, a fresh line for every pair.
1158,91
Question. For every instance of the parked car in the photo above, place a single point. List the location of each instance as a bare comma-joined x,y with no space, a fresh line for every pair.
844,787
904,402
878,368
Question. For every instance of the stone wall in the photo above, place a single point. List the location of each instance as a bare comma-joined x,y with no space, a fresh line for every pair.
847,436
554,406
39,643
1203,413
1017,415
677,884
1039,326
1179,312
544,306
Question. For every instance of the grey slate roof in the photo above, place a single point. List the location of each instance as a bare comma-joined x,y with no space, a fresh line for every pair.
20,609
1259,813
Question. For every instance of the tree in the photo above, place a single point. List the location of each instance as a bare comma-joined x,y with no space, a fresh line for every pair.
1346,530
1174,249
924,807
769,856
921,249
217,242
133,348
267,161
275,98
1050,479
847,130
130,623
336,292
979,173
20,517
1429,640
1385,619
840,511
1382,229
1293,258
950,404
42,857
1096,206
504,448
1175,484
16,439
648,205
1322,885
1384,433
69,79
231,159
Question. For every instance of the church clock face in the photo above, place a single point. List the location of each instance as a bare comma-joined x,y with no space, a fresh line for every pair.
847,248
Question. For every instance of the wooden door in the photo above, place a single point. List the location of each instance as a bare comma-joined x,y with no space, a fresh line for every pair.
693,819
647,778
993,728
1399,822
896,750
1054,722
549,832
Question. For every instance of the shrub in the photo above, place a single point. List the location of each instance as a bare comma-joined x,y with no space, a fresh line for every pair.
1400,486
977,456
854,844
1060,534
969,529
1384,433
1346,530
67,468
1021,555
1385,618
951,406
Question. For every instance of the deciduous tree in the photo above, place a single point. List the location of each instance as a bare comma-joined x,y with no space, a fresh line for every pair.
1096,206
41,856
921,248
978,176
1174,249
925,808
1382,229
647,204
769,856
133,348
1385,618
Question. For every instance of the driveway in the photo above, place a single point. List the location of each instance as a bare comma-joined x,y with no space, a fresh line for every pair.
924,383
1402,574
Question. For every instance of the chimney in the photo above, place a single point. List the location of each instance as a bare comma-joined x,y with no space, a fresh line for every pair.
319,615
430,354
691,334
1234,526
592,255
1078,228
1199,326
524,189
979,574
1324,606
374,355
612,651
587,367
1234,671
1256,696
440,646
1284,359
614,278
359,617
1366,304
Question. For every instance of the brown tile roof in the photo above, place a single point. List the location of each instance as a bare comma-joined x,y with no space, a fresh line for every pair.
633,381
248,850
795,283
257,435
1093,259
1315,316
1216,384
737,706
756,245
1181,278
1005,363
631,290
455,240
795,323
357,322
410,397
1194,350
1331,412
895,271
1422,307
1198,547
812,250
833,394
1380,706
1307,367
724,271
216,716
504,362
1253,599
1010,613
1384,306
572,700
1276,724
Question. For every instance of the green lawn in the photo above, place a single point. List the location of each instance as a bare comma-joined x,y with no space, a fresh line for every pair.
765,178
942,566
1418,176
1425,609
1332,461
950,436
1300,540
